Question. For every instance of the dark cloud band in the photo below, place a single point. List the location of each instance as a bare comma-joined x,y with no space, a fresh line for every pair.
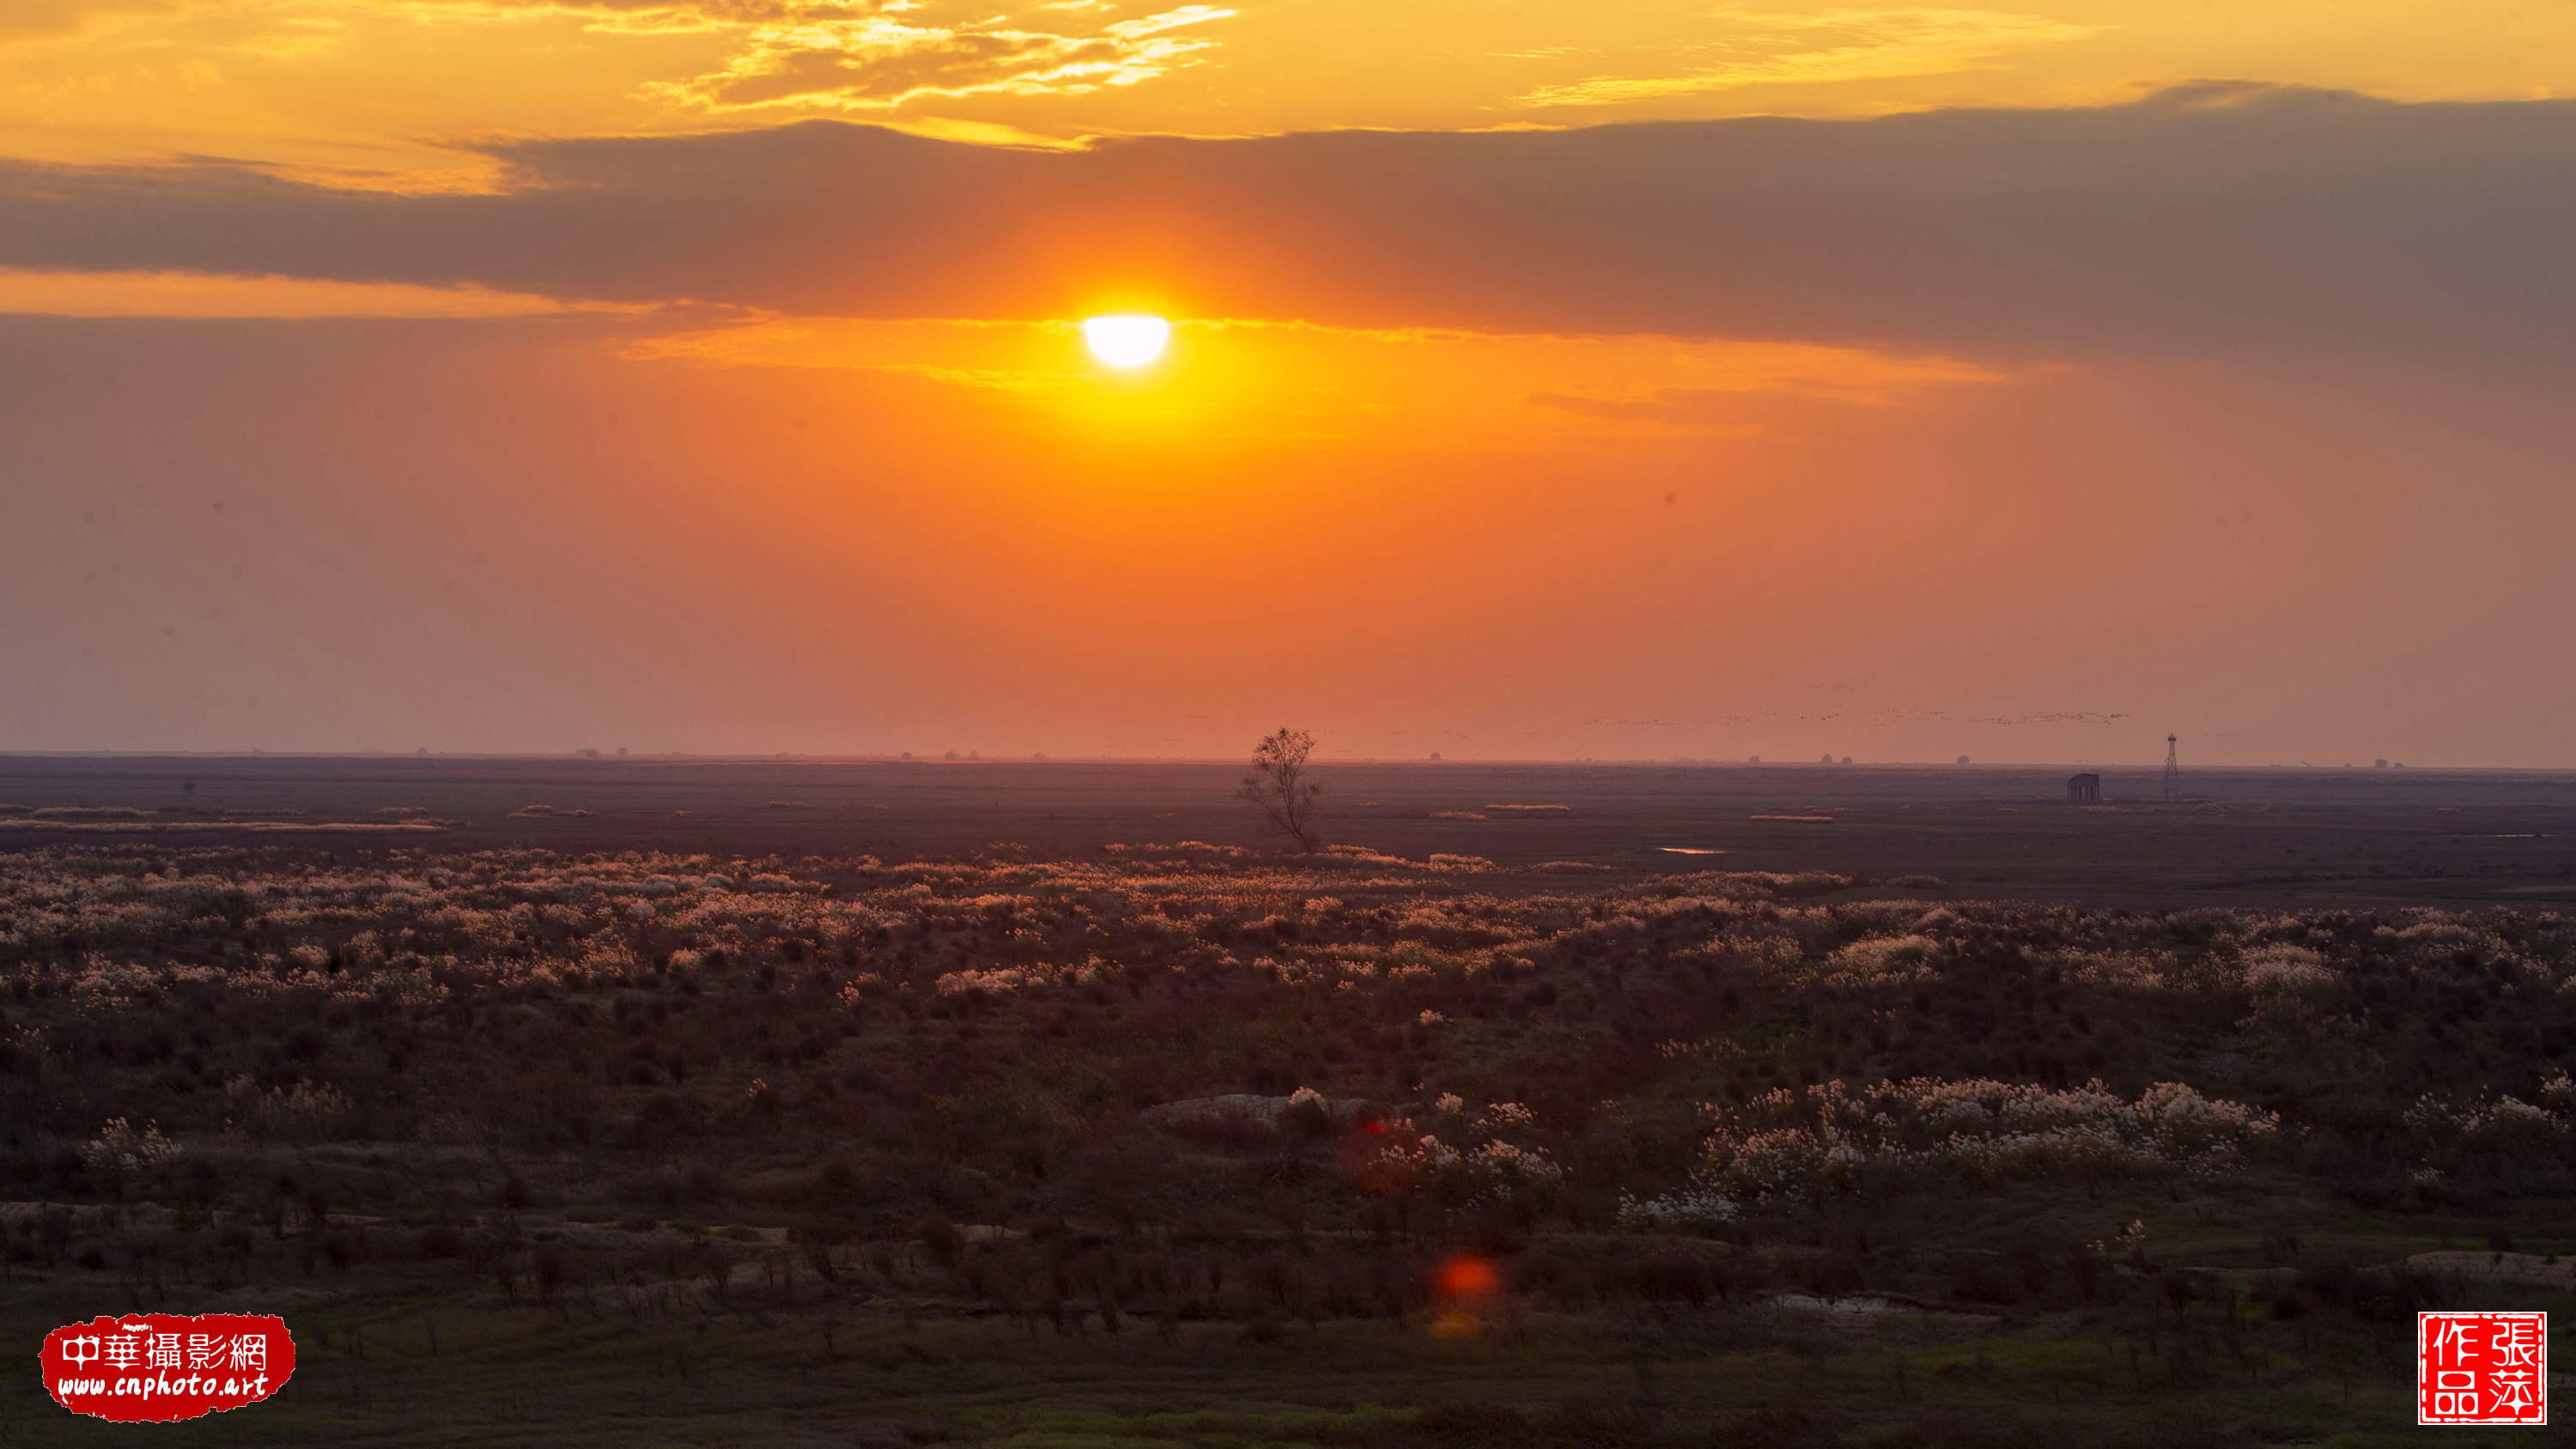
2218,220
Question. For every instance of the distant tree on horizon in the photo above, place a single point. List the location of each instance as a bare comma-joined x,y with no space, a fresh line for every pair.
1278,785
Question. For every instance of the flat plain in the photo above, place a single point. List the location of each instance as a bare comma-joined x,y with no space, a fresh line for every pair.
574,1101
2248,835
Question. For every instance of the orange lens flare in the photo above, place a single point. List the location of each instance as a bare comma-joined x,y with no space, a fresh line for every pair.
1464,1277
1462,1284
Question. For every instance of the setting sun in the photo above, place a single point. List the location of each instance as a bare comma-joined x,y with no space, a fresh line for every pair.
1126,341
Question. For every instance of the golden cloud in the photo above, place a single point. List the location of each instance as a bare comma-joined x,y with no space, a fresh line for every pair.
872,55
1771,48
208,295
878,62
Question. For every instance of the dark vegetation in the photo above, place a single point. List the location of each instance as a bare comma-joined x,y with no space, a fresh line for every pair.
1192,1144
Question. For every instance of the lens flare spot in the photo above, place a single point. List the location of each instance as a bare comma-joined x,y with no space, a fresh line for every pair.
1126,341
1466,1277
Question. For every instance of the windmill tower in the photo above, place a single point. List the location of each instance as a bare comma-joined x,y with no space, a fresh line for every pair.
2173,768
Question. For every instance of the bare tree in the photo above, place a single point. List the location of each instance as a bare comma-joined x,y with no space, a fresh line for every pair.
1279,787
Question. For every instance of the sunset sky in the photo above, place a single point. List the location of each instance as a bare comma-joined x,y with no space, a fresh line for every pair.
1632,380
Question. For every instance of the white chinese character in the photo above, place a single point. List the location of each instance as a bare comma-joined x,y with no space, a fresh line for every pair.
2517,1342
2513,1392
165,1351
2453,1335
81,1350
205,1350
120,1350
250,1351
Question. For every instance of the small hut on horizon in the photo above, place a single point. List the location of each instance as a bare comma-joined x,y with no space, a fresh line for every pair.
2083,789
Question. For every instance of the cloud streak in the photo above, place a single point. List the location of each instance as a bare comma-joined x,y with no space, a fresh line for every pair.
1769,48
201,295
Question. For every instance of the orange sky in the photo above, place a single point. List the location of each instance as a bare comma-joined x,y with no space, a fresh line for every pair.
2022,383
378,91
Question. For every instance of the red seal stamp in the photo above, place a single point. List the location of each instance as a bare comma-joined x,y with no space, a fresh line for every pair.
2482,1368
158,1368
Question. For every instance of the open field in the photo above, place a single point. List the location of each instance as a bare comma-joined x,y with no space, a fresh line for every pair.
1045,1105
2363,836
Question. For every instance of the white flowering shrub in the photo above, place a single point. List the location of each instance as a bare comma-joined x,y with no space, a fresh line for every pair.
2508,1122
539,1000
119,1149
1696,1207
1882,961
2285,968
1489,1171
1801,1145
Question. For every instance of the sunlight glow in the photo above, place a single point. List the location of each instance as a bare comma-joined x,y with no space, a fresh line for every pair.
1126,341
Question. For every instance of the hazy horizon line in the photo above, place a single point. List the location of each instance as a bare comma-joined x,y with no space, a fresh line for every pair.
898,758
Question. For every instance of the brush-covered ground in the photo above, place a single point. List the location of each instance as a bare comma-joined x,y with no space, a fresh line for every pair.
1187,1144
